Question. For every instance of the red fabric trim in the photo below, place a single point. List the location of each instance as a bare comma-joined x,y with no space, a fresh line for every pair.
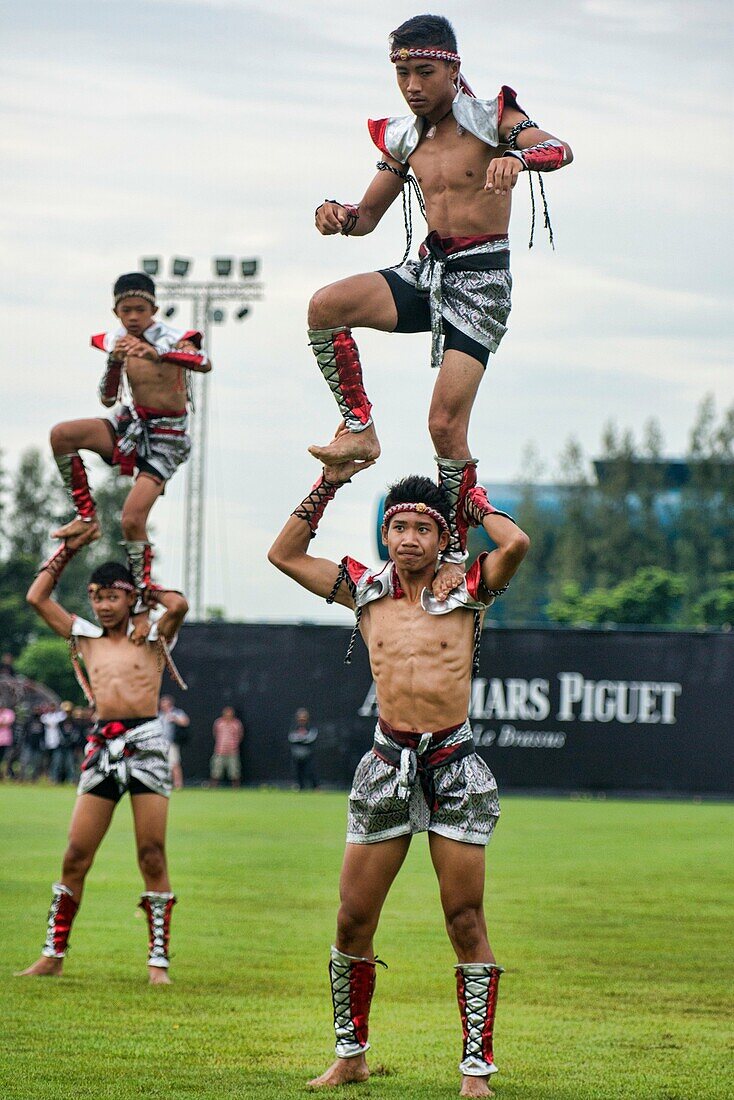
98,341
146,413
474,576
349,372
182,358
377,128
507,98
193,336
361,988
355,569
411,740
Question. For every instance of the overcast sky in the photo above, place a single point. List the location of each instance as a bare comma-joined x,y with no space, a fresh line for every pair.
204,128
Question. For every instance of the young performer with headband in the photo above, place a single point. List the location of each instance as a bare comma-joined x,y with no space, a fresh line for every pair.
144,386
466,155
126,751
422,773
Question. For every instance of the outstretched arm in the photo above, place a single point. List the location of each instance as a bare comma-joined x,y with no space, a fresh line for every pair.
357,221
39,594
289,552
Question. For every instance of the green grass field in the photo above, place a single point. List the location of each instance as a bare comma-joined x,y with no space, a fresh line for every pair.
610,918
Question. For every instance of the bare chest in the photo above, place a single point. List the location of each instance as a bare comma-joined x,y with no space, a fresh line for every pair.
113,663
397,632
450,160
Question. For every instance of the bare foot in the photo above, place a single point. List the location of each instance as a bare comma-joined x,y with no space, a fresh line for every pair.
158,975
44,968
345,1071
79,532
475,1086
360,446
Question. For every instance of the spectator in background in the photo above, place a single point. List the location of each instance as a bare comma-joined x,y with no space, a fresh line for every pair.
175,723
63,767
83,722
301,739
228,733
7,722
31,751
52,720
7,666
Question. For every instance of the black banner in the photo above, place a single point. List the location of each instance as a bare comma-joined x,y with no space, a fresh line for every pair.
551,708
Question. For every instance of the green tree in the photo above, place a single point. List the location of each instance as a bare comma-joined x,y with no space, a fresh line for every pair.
649,598
47,660
34,505
716,607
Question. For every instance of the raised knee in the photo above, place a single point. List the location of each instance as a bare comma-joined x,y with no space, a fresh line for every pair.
321,309
60,439
465,927
152,859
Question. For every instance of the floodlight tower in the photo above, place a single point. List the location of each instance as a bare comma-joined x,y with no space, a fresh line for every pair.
232,282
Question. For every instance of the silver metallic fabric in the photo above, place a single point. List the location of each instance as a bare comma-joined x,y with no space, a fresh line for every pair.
477,303
159,450
385,801
477,991
148,761
352,986
157,907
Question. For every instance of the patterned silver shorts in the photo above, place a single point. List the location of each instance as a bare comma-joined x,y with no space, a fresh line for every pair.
161,444
477,303
466,794
147,761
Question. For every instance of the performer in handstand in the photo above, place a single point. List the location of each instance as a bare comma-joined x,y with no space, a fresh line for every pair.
145,387
422,772
126,750
466,155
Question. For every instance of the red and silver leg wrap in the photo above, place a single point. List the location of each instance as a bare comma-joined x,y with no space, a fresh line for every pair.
477,506
476,989
456,476
74,477
57,563
352,986
157,908
140,563
338,359
60,919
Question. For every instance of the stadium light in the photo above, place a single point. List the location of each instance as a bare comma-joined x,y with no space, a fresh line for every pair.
150,265
242,313
223,267
248,268
217,316
180,267
169,312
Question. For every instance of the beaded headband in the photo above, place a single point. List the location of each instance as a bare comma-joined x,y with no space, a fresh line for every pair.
421,508
123,586
148,297
404,53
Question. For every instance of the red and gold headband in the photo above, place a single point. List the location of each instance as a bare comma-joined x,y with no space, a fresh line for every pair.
405,53
145,294
421,508
123,586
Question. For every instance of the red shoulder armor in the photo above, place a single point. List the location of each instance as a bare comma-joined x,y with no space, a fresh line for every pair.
377,128
474,576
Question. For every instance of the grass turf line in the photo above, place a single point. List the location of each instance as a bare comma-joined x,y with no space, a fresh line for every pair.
609,917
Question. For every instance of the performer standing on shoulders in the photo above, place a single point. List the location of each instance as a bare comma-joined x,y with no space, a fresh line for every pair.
466,155
126,750
145,388
422,773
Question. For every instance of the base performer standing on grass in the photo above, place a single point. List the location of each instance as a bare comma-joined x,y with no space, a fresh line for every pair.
126,750
422,773
144,385
466,155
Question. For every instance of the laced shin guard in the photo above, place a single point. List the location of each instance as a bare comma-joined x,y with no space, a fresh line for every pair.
338,359
476,989
352,986
60,919
74,476
140,563
456,476
157,908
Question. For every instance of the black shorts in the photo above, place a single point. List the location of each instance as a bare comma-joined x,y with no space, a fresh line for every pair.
414,315
109,789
